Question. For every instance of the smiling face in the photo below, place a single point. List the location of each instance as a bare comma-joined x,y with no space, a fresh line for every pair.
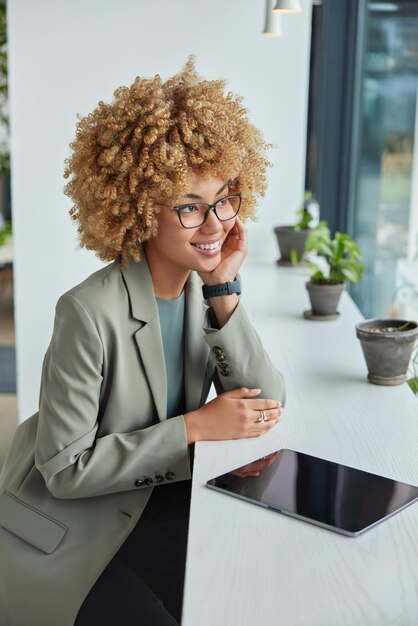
175,251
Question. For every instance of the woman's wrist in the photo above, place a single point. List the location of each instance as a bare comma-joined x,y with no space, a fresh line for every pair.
223,307
221,289
210,279
191,427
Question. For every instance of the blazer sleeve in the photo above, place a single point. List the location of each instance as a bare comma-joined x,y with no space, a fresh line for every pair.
240,358
74,461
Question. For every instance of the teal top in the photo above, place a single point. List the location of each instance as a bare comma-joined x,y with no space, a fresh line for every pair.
172,330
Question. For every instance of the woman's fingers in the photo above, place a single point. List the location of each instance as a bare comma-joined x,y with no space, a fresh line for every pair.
234,414
266,411
261,403
242,231
262,428
241,392
237,237
270,414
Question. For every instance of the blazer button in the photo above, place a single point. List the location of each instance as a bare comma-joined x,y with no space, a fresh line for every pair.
139,483
220,357
158,478
224,372
170,476
217,350
148,481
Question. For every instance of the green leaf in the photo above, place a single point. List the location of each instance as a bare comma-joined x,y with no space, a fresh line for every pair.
342,253
316,272
294,257
413,383
319,240
305,218
350,273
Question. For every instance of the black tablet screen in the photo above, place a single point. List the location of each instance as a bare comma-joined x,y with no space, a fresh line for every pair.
334,496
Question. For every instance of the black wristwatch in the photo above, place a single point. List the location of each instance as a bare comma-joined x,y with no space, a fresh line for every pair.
223,289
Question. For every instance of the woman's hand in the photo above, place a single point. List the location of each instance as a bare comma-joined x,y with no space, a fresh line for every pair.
233,253
232,415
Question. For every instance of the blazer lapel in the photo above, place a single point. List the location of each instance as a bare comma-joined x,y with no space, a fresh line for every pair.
196,350
148,337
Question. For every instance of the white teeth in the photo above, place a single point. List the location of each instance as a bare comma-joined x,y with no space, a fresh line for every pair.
207,246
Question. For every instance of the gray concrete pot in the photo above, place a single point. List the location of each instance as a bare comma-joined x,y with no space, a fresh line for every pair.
288,238
324,299
387,352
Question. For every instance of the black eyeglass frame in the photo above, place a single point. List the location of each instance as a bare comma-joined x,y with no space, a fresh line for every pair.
178,209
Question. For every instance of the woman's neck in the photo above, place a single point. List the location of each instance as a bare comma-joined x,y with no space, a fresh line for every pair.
168,281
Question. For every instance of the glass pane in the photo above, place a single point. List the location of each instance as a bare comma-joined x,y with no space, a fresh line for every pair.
383,207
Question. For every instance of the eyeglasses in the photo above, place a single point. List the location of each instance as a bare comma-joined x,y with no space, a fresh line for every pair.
194,214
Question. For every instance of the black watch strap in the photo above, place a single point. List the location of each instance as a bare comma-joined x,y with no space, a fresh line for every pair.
223,289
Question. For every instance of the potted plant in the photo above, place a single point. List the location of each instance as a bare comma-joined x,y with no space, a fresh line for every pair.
337,260
387,347
291,239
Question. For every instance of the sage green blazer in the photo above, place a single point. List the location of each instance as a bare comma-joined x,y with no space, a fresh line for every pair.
80,471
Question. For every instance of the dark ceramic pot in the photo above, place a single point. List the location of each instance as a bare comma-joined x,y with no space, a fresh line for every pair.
324,298
387,351
288,238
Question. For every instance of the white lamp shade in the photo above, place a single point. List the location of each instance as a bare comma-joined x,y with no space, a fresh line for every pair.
287,6
273,22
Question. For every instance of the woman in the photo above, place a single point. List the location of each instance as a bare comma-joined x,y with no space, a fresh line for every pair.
95,490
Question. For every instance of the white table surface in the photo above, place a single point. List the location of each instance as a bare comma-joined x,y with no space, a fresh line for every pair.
248,566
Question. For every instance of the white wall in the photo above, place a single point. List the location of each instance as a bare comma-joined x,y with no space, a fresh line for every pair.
65,56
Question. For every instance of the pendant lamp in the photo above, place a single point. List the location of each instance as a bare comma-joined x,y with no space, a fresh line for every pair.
273,22
287,6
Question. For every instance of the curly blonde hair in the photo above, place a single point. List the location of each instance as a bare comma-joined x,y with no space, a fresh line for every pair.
142,148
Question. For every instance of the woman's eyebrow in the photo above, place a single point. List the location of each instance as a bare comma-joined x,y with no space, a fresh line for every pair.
194,196
222,189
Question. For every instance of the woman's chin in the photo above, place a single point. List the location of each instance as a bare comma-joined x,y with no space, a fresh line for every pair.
208,265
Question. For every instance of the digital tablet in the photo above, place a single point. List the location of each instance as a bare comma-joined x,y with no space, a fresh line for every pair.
336,497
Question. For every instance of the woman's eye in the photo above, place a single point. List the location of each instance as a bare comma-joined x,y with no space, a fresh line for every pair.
222,202
191,208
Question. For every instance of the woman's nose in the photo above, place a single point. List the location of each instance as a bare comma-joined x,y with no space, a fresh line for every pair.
212,223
